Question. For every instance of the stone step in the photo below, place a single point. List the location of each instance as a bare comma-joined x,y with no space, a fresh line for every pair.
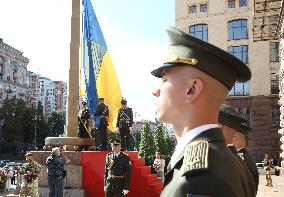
44,192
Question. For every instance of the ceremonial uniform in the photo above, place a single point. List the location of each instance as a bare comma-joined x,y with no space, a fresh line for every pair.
230,117
29,185
84,123
117,174
207,168
103,112
250,162
124,121
267,169
251,182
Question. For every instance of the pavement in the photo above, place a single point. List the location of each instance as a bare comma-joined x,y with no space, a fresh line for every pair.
276,191
263,191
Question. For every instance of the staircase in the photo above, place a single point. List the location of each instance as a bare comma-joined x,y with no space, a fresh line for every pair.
142,184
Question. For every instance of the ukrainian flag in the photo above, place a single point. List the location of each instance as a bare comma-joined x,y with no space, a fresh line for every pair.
99,71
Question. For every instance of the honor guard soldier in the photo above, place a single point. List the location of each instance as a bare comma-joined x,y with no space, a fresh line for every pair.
231,122
29,172
124,124
117,172
102,113
196,79
84,121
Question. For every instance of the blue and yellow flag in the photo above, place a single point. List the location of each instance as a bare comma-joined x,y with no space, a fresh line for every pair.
100,75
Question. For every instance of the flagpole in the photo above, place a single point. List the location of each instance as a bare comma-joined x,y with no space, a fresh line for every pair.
73,85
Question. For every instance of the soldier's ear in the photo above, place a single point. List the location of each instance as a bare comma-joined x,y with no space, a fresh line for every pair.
193,90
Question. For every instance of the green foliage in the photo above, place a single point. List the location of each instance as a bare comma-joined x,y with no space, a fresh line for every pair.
160,140
56,121
147,144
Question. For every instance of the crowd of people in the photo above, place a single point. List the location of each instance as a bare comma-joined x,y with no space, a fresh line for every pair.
9,176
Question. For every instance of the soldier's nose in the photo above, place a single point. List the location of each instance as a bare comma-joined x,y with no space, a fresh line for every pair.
156,92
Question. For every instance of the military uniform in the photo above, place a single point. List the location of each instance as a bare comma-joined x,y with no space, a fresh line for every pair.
84,122
124,121
29,185
251,183
250,162
267,169
117,174
231,118
103,112
202,165
207,168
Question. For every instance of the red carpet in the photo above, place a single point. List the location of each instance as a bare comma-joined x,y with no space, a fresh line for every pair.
142,184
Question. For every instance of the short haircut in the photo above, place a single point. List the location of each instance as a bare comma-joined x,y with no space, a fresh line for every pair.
55,150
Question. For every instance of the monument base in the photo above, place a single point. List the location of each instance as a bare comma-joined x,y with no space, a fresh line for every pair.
72,143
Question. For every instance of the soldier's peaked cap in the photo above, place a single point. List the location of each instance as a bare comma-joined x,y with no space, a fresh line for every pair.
231,118
123,101
186,50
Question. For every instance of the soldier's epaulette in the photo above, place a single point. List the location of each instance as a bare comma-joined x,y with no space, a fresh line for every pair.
195,157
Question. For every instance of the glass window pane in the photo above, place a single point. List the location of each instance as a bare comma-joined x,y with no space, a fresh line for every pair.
243,3
199,31
237,29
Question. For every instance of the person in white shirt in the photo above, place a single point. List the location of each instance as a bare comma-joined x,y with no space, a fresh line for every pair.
159,165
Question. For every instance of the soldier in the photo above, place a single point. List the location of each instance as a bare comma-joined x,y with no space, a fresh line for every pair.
84,121
84,124
267,169
196,79
29,171
239,141
231,122
124,124
117,172
103,113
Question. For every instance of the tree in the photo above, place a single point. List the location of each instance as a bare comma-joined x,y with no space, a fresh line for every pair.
160,140
56,121
147,145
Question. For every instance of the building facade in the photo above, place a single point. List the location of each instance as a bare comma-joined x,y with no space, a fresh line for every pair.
60,95
33,83
13,73
228,24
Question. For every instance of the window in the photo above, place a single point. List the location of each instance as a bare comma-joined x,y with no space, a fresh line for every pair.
199,31
275,117
274,51
203,8
240,52
274,83
244,112
243,3
240,89
192,9
237,29
231,4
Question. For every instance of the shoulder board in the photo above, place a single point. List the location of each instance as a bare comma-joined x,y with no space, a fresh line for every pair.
195,156
241,155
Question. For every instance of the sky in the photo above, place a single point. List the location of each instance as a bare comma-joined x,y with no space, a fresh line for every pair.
134,31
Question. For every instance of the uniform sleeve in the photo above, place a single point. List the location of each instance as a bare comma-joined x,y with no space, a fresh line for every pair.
127,173
106,171
22,169
117,121
131,116
37,168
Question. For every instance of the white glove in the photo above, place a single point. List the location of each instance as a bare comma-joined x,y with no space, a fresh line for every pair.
130,129
117,129
105,188
125,192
